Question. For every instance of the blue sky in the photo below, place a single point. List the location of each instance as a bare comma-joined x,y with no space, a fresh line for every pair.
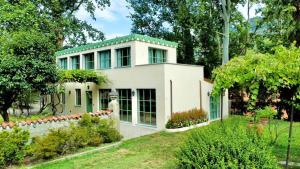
114,20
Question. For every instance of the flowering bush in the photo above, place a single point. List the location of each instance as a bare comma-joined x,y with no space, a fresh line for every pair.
185,119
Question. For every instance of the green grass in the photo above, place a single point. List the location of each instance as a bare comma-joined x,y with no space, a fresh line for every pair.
158,151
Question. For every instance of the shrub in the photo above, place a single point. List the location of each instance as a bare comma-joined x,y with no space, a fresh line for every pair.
13,146
266,112
227,145
188,118
90,131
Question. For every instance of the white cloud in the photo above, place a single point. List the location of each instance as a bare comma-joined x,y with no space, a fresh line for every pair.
112,13
252,12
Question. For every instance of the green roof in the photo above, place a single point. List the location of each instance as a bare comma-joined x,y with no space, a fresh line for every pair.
118,40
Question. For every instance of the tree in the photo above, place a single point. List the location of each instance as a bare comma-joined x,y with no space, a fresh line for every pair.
26,52
282,20
67,27
195,25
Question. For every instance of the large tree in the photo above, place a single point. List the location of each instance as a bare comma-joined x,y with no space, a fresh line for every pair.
281,19
67,27
26,52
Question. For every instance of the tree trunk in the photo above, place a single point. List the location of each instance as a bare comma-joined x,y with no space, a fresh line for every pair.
290,138
5,115
226,41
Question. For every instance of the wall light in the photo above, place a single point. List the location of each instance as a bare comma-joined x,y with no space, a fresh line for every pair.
133,93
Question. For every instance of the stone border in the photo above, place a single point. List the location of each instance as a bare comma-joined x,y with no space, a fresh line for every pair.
10,125
187,128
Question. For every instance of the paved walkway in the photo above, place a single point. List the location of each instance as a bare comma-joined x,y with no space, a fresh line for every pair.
290,163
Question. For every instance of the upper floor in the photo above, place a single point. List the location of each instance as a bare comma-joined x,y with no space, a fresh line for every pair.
121,52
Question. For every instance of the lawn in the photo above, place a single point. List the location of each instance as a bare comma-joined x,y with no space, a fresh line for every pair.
158,151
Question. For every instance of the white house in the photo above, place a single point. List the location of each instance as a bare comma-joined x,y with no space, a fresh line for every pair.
144,72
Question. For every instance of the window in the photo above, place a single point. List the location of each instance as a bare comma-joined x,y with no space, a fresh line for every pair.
125,104
104,98
63,63
75,62
147,106
123,57
157,55
89,61
104,61
77,97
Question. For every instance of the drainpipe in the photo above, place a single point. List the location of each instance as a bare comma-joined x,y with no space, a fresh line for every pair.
171,97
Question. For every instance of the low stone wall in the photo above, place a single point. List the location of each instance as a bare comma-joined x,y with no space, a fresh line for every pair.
42,126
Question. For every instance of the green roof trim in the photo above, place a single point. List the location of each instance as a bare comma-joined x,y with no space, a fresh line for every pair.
118,40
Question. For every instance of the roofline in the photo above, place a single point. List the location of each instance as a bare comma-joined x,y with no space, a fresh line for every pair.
118,40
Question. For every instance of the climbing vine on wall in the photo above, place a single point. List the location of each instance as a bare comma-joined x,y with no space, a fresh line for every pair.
82,76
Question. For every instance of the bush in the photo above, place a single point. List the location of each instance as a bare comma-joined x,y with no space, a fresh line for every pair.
227,145
185,119
13,146
266,112
90,131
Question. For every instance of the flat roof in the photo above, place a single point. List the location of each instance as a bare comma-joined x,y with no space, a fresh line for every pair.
118,40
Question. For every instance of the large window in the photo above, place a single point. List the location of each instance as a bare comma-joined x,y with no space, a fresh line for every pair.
75,62
63,63
104,61
77,97
123,57
104,98
147,106
125,104
89,61
157,55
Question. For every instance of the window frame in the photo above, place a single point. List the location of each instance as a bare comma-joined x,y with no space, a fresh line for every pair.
119,61
92,55
153,59
106,59
77,64
151,100
65,65
78,102
127,100
103,99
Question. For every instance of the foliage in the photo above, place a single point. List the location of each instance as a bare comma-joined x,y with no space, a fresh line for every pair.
90,131
81,76
195,25
266,77
266,112
26,52
13,146
185,119
282,21
66,26
227,145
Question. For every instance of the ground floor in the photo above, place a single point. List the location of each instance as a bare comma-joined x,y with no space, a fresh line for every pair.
147,95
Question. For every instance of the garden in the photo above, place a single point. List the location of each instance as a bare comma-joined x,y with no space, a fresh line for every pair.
170,150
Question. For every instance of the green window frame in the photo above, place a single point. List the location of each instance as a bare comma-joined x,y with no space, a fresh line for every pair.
77,97
63,63
104,98
89,61
125,102
147,106
75,61
104,59
157,55
123,57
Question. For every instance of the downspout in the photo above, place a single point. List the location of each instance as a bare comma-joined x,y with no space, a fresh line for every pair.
200,92
171,97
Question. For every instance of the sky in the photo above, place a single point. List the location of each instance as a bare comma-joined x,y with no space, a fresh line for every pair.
114,21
